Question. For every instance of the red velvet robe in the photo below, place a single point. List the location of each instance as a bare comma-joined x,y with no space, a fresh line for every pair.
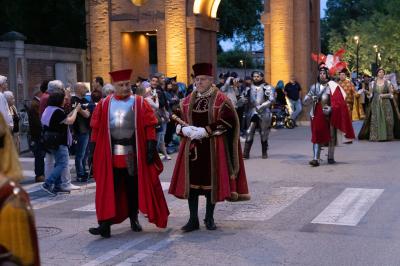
110,205
228,175
339,119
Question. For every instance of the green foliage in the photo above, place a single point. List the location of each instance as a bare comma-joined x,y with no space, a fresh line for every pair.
240,19
375,22
60,23
231,59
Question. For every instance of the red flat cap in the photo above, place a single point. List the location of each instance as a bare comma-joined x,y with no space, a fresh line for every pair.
203,69
121,75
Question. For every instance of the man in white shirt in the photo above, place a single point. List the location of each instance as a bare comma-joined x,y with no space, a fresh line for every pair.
4,110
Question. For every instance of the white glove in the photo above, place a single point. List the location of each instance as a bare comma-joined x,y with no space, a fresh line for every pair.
187,131
178,129
199,133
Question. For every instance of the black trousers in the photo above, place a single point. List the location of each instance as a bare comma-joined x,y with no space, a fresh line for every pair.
123,179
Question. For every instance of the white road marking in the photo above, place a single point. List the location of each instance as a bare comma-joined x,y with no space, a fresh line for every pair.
44,202
31,160
92,207
261,211
28,173
138,257
349,207
115,252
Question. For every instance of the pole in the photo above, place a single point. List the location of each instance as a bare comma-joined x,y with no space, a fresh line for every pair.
357,59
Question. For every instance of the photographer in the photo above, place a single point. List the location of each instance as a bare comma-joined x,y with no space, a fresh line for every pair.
57,137
81,129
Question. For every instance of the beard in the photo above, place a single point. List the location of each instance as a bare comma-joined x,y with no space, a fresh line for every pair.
258,83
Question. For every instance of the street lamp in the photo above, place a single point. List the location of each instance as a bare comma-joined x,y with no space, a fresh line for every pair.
376,54
357,40
243,65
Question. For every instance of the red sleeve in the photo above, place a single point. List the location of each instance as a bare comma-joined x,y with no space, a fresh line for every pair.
150,120
95,121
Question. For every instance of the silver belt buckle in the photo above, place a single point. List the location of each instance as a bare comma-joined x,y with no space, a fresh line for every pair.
122,150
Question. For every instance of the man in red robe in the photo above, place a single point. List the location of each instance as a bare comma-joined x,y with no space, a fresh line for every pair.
126,165
329,113
210,159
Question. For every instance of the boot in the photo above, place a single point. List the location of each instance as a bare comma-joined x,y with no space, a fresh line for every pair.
247,148
209,219
104,229
264,148
135,225
314,163
39,178
193,223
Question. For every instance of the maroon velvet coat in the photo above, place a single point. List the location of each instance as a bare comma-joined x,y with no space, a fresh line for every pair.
228,176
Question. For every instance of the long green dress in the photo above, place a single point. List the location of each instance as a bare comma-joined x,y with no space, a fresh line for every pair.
379,124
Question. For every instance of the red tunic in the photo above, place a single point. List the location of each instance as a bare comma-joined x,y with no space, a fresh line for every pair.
339,119
111,205
219,165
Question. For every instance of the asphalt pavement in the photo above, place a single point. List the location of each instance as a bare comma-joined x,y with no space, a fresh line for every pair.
342,214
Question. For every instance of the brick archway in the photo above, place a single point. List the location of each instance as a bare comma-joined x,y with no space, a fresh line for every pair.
186,34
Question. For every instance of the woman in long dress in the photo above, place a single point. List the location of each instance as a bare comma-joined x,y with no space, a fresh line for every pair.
382,120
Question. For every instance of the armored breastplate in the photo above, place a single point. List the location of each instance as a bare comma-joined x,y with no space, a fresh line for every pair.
257,95
122,118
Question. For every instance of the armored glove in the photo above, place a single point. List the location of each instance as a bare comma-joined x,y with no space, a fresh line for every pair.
151,151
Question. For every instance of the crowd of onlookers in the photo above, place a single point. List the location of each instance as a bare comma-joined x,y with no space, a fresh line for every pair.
67,110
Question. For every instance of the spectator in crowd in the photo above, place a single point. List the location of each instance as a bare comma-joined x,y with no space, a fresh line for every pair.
162,114
97,84
35,133
81,131
57,136
171,93
280,95
107,90
15,117
4,110
292,91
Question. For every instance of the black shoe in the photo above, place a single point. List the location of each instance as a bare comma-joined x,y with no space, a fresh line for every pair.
314,163
104,230
49,189
210,225
135,225
82,179
331,161
191,226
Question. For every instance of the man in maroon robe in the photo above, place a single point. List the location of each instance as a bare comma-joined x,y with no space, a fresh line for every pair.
210,160
126,165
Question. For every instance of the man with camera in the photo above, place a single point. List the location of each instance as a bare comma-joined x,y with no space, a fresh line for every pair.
81,131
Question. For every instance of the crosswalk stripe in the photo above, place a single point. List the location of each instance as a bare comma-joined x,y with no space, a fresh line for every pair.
116,251
44,202
279,199
28,173
349,207
138,257
31,160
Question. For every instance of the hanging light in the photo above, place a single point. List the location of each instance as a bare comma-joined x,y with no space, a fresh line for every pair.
139,2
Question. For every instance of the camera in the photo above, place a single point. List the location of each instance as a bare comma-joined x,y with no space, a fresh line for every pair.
84,106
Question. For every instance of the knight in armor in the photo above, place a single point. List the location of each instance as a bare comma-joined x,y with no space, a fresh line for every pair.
260,98
209,162
329,113
18,236
126,165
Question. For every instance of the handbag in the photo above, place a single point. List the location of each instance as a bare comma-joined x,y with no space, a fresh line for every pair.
52,139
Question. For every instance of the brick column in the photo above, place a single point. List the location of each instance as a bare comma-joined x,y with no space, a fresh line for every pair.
99,35
176,39
282,63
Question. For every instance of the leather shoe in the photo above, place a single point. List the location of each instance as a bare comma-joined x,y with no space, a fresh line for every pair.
210,225
104,230
331,161
135,225
314,163
191,226
39,178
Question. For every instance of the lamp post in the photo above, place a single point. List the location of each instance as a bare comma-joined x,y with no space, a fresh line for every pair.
376,54
357,40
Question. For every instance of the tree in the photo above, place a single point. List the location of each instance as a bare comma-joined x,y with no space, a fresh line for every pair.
375,24
232,59
240,19
60,23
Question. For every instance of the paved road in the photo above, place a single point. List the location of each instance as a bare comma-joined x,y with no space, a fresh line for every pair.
343,214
